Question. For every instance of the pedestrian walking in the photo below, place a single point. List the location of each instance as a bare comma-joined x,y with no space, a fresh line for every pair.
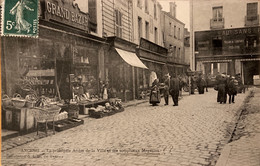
192,84
207,79
201,84
174,89
222,89
155,96
166,89
232,91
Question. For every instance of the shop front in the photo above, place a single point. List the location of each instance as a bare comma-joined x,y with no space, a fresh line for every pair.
232,51
155,58
121,62
62,67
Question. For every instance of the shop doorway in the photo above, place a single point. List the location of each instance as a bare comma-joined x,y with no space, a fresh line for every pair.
217,46
63,69
250,69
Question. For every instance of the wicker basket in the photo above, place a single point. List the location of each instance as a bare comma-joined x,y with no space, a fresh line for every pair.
45,113
6,101
18,101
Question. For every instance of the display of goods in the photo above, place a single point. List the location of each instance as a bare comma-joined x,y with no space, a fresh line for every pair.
18,101
6,100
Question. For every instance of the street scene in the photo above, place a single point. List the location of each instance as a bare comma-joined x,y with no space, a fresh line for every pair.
130,82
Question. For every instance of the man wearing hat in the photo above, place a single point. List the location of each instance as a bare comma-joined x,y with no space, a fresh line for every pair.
166,88
174,89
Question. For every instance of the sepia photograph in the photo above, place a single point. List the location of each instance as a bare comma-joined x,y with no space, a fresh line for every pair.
130,82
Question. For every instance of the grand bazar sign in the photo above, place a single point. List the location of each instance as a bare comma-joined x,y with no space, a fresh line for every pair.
66,12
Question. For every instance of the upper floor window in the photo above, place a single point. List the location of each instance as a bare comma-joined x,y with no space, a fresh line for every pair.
170,28
175,32
146,6
139,3
139,28
179,33
155,35
217,13
118,23
155,11
252,11
147,30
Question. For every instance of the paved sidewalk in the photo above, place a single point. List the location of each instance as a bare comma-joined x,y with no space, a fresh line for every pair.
18,140
245,149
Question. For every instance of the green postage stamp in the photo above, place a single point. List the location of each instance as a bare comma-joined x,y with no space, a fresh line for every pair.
20,18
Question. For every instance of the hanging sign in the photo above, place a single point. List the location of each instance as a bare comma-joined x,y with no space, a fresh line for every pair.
20,18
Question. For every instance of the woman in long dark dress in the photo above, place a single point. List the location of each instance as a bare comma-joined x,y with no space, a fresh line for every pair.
155,97
222,87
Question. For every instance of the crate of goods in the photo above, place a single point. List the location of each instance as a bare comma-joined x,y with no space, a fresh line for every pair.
65,124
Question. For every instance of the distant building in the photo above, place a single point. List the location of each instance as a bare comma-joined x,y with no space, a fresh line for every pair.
227,37
146,21
173,39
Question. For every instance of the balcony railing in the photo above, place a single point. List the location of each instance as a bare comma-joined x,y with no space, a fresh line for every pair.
217,23
251,20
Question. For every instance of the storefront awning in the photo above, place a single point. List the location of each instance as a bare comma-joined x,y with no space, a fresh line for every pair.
131,58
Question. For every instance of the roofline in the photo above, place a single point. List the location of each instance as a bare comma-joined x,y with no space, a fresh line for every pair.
167,13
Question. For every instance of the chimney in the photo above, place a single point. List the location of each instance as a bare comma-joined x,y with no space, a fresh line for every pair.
173,9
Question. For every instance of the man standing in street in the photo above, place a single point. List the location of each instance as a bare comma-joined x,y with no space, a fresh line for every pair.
174,89
166,89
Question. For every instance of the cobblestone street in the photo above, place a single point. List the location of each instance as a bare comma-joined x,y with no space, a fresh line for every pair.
191,134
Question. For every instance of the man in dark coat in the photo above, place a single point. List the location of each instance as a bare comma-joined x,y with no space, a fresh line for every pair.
174,89
232,89
201,84
166,89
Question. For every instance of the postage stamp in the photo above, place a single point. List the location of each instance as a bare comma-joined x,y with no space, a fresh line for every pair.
20,18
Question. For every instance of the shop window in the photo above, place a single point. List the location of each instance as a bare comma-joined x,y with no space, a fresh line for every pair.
147,30
251,44
252,11
217,14
118,23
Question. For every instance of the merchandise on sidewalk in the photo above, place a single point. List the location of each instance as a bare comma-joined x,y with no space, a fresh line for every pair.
112,107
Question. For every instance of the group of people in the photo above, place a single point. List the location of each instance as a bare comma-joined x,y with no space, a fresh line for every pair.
226,85
171,87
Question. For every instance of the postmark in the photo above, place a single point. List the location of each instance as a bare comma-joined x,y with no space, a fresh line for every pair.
20,18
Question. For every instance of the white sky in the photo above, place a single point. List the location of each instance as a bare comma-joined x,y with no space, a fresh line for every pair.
182,10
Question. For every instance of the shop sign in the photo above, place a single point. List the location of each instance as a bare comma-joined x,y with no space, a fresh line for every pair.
240,31
20,18
66,12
